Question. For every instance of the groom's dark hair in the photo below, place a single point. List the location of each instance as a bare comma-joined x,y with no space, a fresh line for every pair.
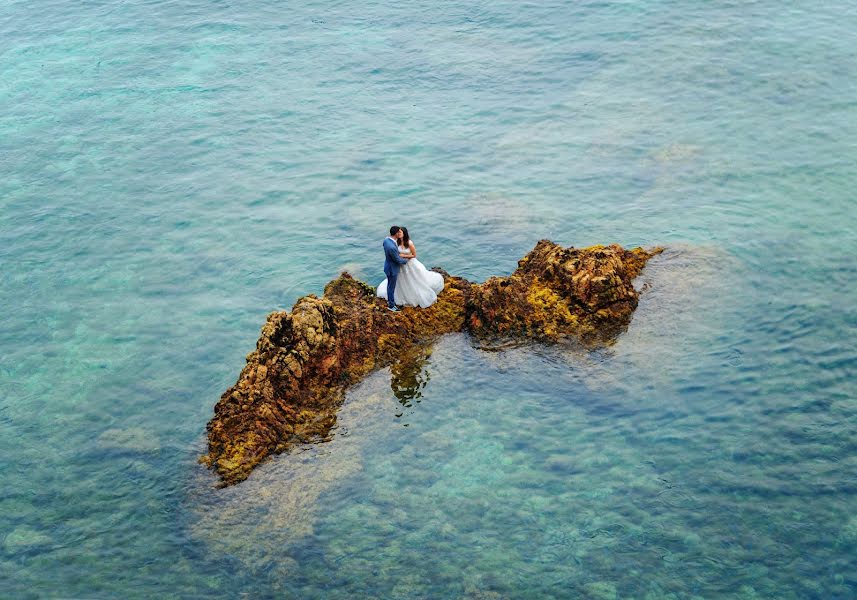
394,229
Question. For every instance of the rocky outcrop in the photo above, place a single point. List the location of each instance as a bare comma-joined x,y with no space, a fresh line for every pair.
556,292
304,361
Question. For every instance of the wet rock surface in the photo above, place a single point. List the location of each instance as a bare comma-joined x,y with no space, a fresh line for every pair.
295,380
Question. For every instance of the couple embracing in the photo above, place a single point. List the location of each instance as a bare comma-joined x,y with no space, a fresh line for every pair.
408,282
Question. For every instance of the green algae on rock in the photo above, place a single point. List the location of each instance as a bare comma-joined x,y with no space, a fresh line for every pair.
305,360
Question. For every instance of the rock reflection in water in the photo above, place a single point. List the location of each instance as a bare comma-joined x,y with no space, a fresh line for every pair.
409,377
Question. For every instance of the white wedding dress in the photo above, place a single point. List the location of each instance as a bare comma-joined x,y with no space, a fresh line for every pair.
415,285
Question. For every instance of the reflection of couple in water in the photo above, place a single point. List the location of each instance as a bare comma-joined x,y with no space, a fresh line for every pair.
408,282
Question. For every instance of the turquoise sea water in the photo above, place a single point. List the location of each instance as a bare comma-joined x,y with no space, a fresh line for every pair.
172,171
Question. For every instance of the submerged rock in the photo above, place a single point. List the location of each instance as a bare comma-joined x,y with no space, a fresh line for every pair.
23,539
295,380
132,439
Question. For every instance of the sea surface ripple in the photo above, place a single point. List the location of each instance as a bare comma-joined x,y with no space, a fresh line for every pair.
171,171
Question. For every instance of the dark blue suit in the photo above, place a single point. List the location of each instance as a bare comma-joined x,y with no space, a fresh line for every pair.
392,261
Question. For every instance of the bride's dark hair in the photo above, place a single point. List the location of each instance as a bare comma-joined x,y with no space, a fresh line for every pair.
406,239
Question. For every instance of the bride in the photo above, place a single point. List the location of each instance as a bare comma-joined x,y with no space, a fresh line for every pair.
416,285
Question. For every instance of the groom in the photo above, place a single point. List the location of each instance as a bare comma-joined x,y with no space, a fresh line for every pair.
392,261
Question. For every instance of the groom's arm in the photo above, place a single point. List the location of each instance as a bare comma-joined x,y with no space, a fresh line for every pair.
392,253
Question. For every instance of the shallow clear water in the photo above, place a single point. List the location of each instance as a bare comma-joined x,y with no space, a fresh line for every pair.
172,171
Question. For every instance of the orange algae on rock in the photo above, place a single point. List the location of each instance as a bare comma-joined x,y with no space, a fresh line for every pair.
305,360
559,292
